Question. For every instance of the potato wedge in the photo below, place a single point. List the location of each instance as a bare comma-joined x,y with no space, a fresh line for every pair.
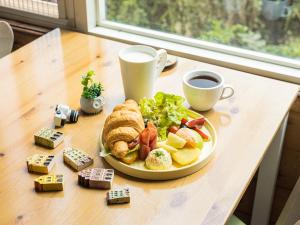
167,147
186,156
130,157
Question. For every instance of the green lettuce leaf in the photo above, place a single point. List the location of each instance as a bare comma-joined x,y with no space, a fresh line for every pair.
164,111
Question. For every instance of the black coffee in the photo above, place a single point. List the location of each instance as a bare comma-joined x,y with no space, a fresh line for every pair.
203,81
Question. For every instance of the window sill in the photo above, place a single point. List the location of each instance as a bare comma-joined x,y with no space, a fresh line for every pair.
31,18
221,59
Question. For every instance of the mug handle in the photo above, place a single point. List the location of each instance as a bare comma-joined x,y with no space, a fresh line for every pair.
228,95
162,60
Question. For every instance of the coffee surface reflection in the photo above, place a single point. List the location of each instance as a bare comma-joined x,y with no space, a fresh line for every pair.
203,81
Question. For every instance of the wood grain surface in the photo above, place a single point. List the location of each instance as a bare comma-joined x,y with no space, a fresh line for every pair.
47,71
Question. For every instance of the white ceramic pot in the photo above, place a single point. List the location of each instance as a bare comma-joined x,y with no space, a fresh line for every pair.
92,106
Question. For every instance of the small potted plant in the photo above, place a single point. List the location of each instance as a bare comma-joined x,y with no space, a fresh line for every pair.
91,101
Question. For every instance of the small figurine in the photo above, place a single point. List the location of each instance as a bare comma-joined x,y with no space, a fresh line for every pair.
48,138
49,183
118,196
77,159
91,100
96,178
63,114
40,163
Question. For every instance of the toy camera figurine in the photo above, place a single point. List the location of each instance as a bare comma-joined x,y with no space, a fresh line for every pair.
64,114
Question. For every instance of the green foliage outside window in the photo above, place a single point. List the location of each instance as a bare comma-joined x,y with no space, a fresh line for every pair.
232,22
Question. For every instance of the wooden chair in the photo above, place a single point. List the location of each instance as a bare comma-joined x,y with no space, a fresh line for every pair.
6,38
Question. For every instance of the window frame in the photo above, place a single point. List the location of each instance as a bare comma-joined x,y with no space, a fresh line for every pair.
230,50
176,38
262,64
65,15
87,16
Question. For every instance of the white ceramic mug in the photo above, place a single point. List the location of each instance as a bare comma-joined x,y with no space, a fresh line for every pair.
204,98
273,10
140,67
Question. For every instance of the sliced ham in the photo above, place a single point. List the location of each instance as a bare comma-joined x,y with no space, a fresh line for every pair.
144,151
134,143
148,139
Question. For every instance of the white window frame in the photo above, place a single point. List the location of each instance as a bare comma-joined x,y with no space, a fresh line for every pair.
86,15
240,59
194,42
66,13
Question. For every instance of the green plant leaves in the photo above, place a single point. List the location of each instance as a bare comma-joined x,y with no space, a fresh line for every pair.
164,110
91,89
214,21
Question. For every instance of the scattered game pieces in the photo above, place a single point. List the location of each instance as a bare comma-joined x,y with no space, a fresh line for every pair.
77,159
49,183
48,137
98,178
118,196
40,163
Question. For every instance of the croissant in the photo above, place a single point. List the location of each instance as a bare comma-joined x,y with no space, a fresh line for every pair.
122,127
123,118
129,105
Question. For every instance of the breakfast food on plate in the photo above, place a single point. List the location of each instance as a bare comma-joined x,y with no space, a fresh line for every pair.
130,157
187,135
158,159
186,156
195,125
164,110
175,140
164,145
148,139
123,127
169,138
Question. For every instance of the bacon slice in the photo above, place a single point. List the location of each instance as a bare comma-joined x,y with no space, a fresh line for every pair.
148,140
144,151
134,143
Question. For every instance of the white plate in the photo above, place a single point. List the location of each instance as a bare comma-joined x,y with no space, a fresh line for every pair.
137,169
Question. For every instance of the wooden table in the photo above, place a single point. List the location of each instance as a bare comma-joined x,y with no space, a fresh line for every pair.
46,72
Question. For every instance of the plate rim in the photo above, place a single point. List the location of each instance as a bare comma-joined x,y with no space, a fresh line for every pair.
110,159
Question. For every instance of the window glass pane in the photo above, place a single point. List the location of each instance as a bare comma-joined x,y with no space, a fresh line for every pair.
271,26
41,7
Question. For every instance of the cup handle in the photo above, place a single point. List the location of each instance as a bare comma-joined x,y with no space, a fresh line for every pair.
162,60
228,95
